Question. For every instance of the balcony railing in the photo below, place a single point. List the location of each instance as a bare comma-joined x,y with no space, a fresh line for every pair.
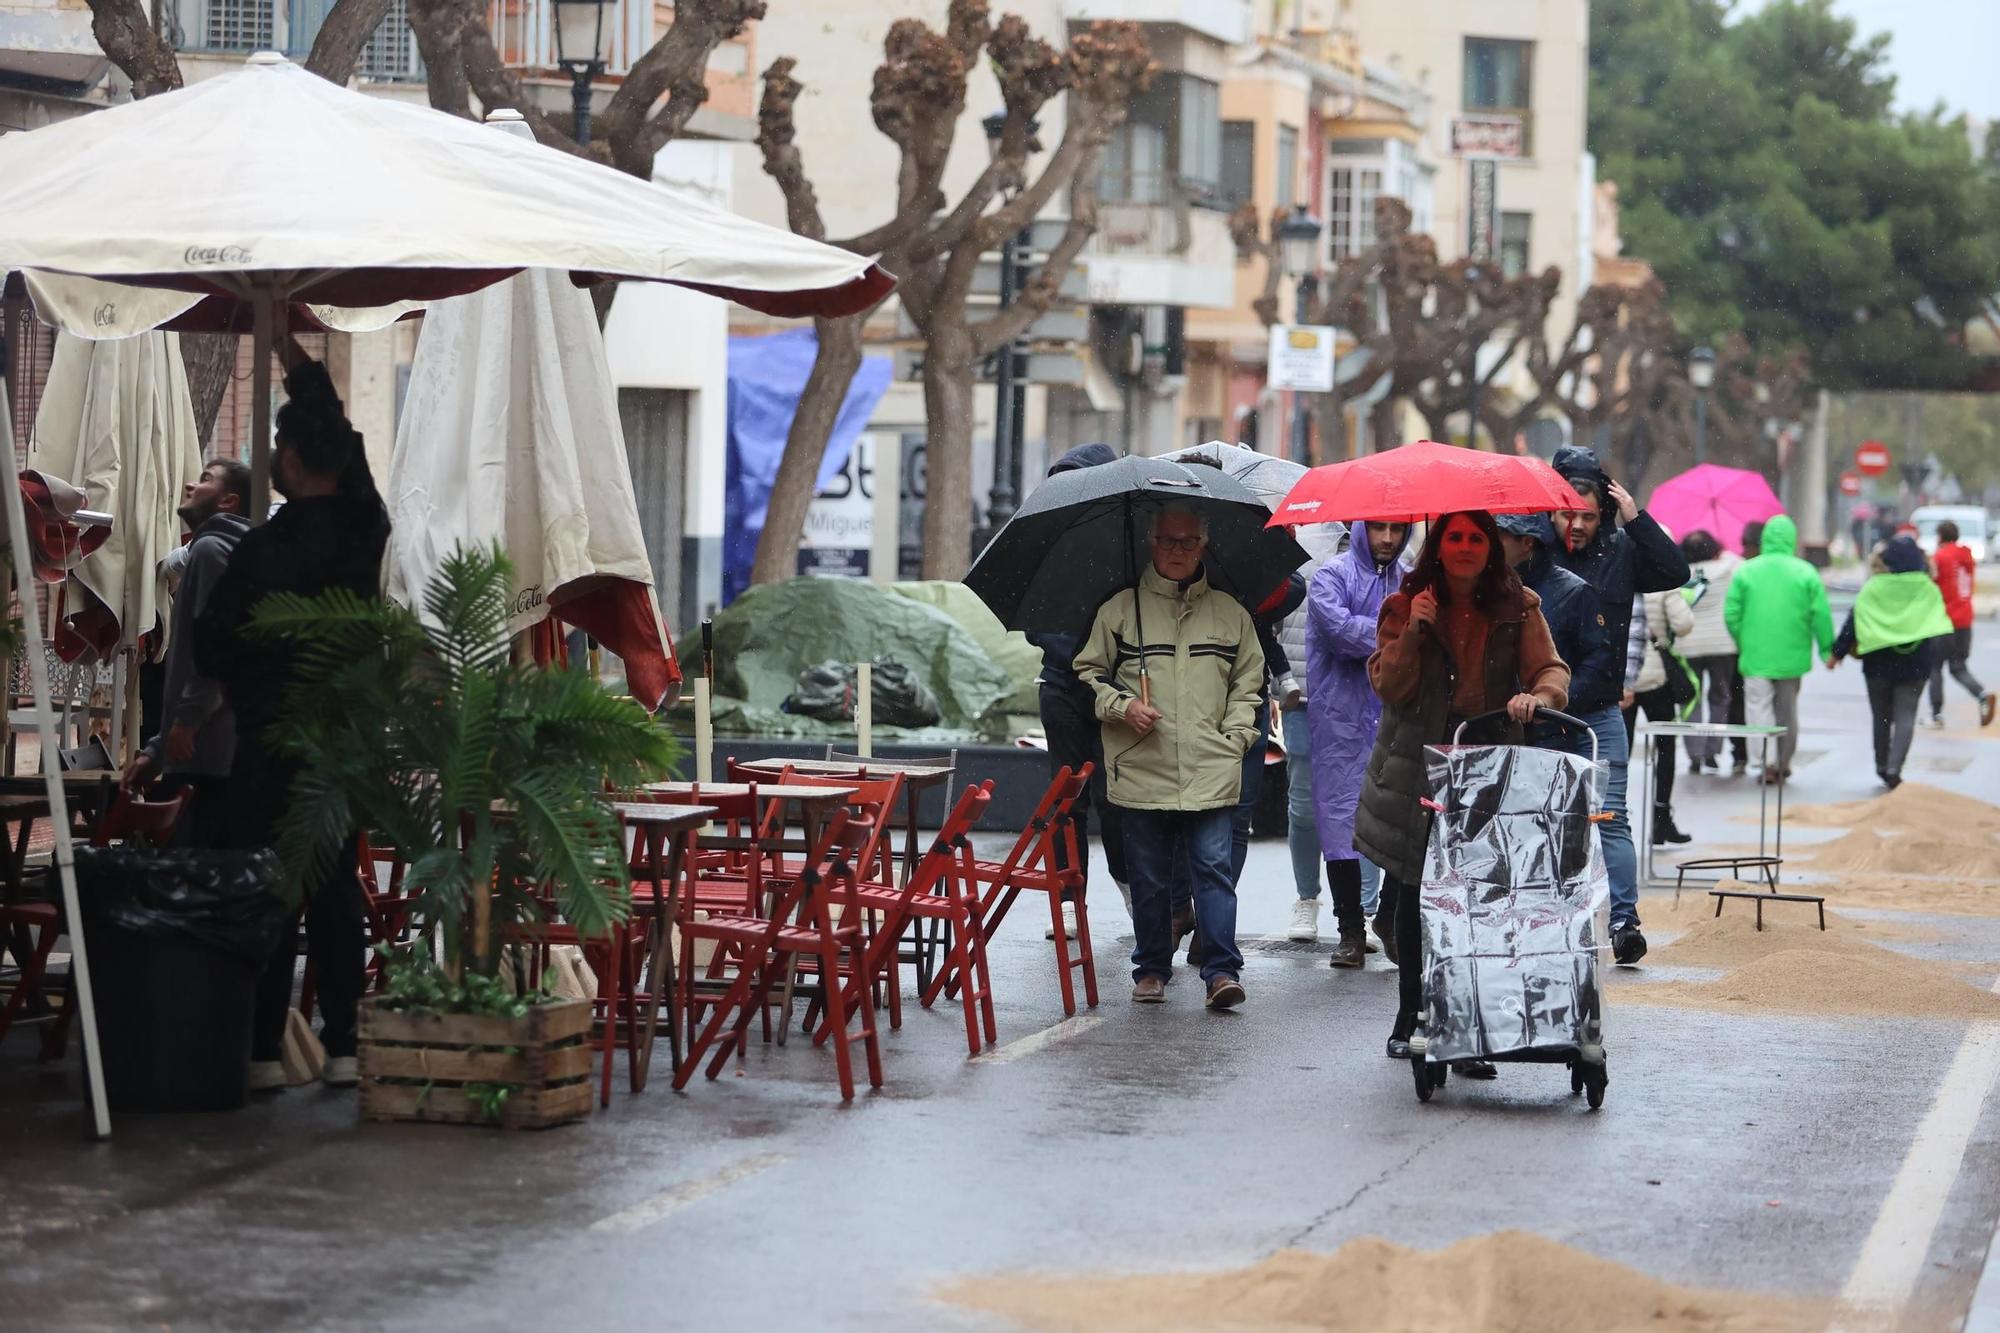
235,27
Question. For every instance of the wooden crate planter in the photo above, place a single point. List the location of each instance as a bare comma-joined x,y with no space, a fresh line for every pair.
415,1066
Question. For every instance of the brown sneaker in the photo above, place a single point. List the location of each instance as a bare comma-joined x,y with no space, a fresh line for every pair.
1352,951
1149,990
1986,704
1183,926
1225,993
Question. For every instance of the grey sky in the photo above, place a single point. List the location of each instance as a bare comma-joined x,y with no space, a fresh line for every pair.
1940,50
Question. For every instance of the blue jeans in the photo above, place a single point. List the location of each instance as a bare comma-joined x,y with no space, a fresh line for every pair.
1621,861
1302,825
1197,841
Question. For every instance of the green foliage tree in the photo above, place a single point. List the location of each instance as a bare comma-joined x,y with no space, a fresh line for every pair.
485,774
1765,178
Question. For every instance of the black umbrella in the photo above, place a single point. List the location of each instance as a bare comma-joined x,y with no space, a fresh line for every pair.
1078,539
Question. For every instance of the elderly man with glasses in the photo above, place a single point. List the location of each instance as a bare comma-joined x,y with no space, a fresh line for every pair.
1174,739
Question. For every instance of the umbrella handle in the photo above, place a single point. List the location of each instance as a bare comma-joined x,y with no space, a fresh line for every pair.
1145,688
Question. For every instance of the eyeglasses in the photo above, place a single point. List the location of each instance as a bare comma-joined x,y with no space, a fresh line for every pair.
1184,545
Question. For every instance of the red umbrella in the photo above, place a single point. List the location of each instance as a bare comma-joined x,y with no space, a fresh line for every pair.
61,532
1423,480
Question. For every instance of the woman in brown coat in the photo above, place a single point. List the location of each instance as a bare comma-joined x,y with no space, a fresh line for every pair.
1462,638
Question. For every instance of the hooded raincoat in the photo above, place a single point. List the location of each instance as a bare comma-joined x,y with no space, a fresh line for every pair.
1343,603
1897,619
1777,610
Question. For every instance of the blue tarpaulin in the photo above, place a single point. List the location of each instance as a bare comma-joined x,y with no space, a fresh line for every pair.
766,376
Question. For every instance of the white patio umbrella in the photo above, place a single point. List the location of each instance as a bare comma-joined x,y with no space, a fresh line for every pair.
269,185
510,434
116,421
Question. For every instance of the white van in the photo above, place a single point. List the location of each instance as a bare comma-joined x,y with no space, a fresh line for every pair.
1972,527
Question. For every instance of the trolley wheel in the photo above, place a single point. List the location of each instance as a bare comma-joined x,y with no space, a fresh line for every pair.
1420,1070
1575,1076
1594,1081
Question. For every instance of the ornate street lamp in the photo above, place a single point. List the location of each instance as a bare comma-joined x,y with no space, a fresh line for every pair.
1701,374
1011,396
580,53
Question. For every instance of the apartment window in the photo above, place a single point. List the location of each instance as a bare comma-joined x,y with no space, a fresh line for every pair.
1514,228
1499,77
1361,171
1172,138
237,25
1288,166
1239,162
1350,213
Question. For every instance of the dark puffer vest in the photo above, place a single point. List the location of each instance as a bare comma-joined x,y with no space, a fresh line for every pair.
1391,825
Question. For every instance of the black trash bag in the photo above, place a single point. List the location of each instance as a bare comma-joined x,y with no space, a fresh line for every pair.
900,698
177,940
827,691
227,900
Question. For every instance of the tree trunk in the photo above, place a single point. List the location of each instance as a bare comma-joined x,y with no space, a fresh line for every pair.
948,464
211,364
834,365
1382,425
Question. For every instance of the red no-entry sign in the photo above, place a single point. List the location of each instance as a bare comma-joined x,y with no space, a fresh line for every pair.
1850,483
1871,458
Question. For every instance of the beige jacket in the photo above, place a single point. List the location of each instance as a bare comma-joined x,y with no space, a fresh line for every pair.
1201,650
1669,619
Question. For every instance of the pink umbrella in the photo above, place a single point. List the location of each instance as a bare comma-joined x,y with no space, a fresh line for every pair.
1719,500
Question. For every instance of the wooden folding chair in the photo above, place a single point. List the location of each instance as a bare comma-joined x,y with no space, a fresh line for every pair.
937,890
1032,865
768,948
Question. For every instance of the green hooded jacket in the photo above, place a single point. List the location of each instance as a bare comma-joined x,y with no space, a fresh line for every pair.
1777,610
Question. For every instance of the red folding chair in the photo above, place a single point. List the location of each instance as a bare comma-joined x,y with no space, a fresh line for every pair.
768,948
938,889
129,819
1032,865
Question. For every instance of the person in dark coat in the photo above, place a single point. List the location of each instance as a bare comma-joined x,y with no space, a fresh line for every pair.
330,533
1463,639
1620,563
1069,720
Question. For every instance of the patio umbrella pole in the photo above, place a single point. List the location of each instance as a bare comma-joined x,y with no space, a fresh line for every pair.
65,853
263,338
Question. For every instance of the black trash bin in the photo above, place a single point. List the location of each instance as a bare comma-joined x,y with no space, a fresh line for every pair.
177,939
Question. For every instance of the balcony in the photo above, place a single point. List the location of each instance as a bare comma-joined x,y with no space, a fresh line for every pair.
1225,21
1171,254
238,27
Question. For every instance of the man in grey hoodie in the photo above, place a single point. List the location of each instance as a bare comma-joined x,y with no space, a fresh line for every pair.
196,747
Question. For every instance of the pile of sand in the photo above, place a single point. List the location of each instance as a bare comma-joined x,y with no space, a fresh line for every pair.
1733,939
1864,982
1907,893
1509,1282
1914,807
1955,855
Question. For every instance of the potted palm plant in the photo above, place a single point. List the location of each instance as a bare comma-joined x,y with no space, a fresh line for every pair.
486,775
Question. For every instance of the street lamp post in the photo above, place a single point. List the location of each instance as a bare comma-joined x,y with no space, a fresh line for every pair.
580,53
1472,275
1701,374
1298,253
1011,397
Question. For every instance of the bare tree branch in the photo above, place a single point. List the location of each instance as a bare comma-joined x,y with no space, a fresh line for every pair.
343,36
444,68
676,66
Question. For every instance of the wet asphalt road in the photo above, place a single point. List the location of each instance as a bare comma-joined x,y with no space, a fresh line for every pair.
1732,1151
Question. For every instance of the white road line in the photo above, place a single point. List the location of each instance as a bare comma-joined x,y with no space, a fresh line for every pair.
1892,1258
1035,1041
649,1211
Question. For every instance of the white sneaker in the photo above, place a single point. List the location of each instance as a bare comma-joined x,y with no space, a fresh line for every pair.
267,1076
1305,921
342,1071
1069,923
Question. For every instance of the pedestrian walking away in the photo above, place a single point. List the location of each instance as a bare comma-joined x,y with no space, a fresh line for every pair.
1895,628
1343,606
1174,746
329,534
1069,723
1708,647
197,739
1619,563
1778,614
1463,638
1957,580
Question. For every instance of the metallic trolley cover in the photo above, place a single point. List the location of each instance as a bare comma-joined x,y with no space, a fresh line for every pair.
1515,899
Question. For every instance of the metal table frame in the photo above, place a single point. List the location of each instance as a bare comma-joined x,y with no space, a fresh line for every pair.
1770,834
